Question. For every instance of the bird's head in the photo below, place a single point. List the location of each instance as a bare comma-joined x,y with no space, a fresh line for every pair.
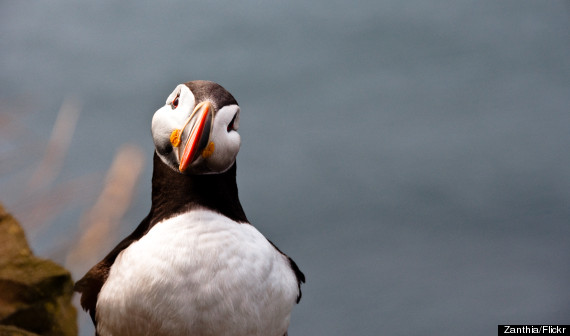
195,132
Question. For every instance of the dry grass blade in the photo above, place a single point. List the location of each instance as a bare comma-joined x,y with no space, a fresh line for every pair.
57,147
100,222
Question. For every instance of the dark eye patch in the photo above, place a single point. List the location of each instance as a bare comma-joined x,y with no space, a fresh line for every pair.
231,124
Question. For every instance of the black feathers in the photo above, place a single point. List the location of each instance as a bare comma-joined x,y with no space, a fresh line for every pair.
212,92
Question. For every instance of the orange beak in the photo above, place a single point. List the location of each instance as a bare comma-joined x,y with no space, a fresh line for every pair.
199,134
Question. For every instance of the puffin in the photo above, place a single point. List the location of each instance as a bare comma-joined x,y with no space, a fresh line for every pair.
195,265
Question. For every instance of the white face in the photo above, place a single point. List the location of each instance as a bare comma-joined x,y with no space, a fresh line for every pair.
193,137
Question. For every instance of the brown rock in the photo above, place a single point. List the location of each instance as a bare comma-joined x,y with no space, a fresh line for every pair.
14,331
35,294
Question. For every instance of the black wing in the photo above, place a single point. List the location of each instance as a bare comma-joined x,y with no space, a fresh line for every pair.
298,274
90,285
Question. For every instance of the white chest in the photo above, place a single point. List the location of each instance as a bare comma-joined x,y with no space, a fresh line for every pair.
199,273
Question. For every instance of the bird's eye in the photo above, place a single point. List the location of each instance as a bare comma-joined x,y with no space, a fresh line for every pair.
175,102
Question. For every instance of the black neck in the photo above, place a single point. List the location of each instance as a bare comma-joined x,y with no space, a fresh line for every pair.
174,193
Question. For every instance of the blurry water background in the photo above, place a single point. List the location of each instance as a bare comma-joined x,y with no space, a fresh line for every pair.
411,156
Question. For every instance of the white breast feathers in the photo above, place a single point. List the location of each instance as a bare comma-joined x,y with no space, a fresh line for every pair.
199,273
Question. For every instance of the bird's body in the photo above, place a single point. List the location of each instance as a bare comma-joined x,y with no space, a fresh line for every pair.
206,273
195,265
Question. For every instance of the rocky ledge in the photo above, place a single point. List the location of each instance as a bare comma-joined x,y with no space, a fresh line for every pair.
35,294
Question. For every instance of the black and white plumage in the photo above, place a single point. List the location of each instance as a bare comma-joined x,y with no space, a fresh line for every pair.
194,265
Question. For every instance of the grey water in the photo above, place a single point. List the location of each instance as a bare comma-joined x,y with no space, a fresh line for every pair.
411,156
